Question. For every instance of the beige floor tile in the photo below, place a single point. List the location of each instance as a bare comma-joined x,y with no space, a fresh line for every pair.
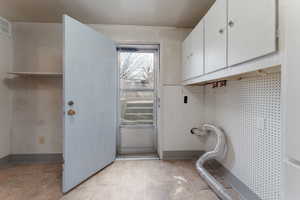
122,180
205,195
234,194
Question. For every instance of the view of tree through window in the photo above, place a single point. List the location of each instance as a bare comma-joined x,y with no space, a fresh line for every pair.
136,70
137,88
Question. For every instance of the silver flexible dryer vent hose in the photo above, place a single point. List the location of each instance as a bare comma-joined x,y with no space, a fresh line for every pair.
218,153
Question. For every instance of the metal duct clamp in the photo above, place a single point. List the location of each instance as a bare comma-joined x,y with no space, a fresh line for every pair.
200,131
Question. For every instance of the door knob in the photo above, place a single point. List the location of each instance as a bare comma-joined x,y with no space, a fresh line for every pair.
71,112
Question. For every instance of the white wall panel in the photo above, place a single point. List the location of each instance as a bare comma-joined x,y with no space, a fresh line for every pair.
292,180
291,100
250,113
137,139
6,62
178,118
292,79
37,104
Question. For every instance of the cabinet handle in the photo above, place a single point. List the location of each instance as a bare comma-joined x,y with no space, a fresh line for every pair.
221,31
231,23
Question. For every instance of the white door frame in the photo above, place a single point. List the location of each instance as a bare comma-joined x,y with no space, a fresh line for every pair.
141,47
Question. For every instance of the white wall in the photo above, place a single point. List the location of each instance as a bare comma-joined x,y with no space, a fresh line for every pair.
6,59
249,111
170,45
36,110
37,103
178,118
291,98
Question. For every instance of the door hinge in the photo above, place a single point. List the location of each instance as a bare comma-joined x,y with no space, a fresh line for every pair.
277,33
158,102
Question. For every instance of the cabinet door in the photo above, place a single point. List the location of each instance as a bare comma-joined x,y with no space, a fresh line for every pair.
197,53
216,37
251,29
186,52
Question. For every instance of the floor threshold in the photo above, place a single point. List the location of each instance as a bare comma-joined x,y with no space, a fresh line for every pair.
137,157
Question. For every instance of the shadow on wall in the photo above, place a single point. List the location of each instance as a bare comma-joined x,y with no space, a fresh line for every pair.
36,115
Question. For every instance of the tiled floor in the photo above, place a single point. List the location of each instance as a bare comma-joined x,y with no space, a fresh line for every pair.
123,180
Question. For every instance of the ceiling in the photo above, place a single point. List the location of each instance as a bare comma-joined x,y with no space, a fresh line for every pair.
176,13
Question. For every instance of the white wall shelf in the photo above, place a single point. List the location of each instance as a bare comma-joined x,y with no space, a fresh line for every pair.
37,74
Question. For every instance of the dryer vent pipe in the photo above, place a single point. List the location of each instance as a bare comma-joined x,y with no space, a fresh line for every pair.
218,153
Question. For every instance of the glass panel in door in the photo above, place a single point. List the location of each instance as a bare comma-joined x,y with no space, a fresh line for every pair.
137,102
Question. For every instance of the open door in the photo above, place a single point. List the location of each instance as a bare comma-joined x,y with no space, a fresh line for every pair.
90,102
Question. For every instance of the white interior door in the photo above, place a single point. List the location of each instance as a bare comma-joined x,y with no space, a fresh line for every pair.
90,95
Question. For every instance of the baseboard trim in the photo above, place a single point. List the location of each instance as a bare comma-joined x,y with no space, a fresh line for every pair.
181,155
55,158
136,150
237,184
4,160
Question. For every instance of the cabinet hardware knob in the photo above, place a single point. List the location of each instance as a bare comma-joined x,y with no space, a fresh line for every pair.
221,31
231,23
71,112
70,103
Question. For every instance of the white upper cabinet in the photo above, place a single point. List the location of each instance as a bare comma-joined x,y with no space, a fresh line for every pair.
193,53
251,29
216,37
197,59
231,33
186,52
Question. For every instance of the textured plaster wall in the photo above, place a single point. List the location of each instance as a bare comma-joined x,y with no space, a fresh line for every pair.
6,61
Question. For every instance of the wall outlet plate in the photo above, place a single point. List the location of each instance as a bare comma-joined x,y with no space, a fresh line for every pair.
41,139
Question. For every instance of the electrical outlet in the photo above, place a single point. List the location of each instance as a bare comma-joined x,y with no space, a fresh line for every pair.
41,139
185,99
